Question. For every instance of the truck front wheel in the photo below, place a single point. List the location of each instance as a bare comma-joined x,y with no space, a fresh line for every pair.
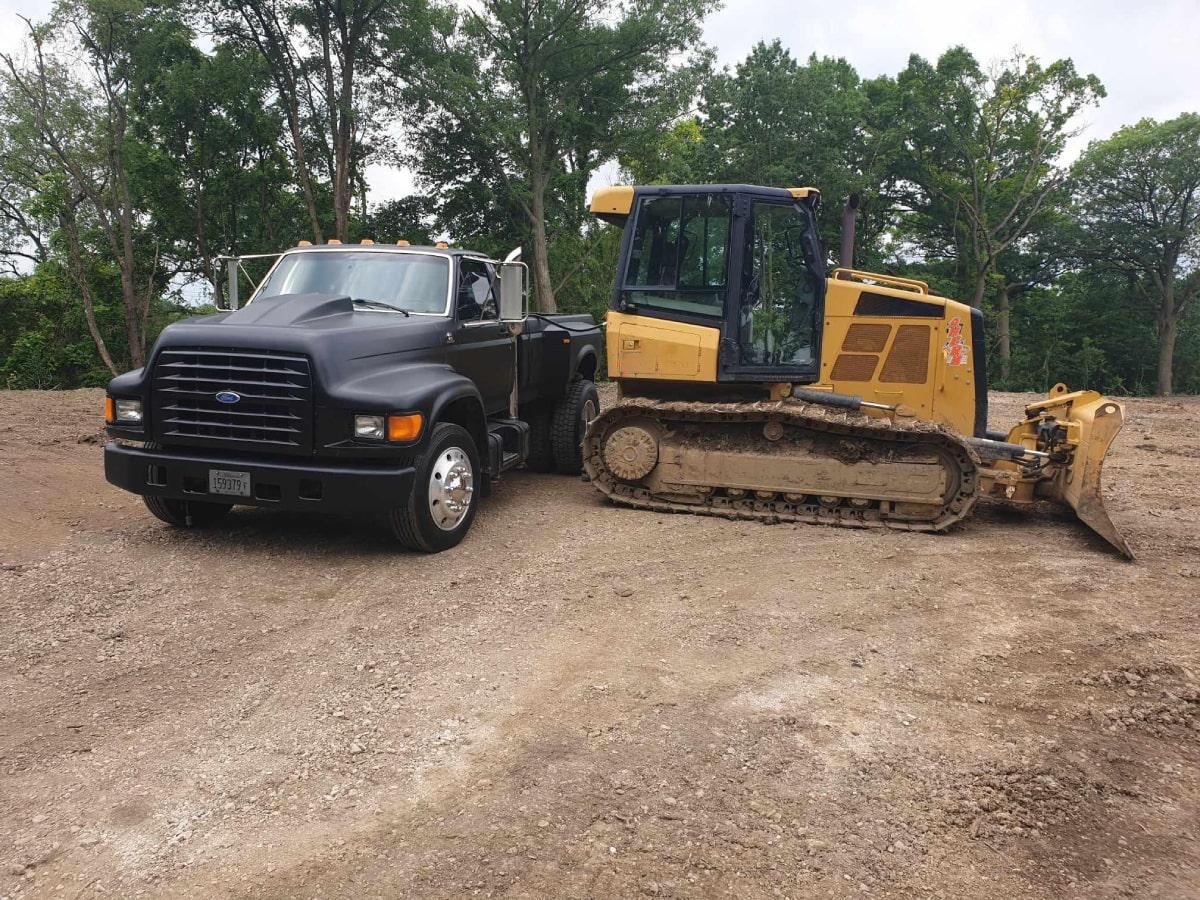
572,414
186,513
441,507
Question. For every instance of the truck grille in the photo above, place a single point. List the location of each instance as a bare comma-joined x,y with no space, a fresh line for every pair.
274,411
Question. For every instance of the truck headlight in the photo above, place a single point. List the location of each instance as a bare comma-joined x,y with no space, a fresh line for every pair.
372,428
127,412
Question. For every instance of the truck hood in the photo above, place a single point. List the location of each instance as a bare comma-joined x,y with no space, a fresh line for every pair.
325,327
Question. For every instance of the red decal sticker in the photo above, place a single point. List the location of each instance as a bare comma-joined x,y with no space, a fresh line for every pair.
955,347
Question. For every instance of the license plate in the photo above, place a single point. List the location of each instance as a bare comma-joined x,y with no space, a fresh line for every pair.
232,484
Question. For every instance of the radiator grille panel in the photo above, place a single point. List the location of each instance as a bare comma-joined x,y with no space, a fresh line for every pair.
850,367
862,338
908,361
275,412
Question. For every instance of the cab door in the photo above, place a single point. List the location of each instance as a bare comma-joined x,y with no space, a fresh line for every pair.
774,331
482,349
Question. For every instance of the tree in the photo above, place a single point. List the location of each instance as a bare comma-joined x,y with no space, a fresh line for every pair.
529,97
776,121
976,152
405,218
1036,260
1138,203
76,130
24,238
328,60
210,163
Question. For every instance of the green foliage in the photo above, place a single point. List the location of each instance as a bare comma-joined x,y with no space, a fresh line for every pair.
408,219
44,339
132,152
1138,212
975,154
529,98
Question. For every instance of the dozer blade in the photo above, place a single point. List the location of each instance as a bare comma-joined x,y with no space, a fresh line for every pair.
1100,422
1092,422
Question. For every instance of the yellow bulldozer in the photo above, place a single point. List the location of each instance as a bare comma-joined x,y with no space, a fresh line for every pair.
755,385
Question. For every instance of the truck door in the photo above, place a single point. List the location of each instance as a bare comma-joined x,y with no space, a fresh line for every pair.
482,348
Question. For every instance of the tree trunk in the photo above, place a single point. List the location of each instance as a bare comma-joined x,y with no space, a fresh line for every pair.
344,144
304,175
79,276
1004,333
1168,330
980,287
542,287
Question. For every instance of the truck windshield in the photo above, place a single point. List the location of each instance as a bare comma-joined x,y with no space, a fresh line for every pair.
412,282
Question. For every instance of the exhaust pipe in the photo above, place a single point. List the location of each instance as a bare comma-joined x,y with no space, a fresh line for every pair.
849,220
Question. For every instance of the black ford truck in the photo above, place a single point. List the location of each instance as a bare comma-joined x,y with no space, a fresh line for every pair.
394,380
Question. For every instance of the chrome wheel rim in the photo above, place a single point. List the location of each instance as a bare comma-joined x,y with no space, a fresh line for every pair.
451,488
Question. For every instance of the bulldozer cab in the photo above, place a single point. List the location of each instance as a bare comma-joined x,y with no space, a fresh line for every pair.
744,260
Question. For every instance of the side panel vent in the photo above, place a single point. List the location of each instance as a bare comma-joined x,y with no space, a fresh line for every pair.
908,361
850,367
862,338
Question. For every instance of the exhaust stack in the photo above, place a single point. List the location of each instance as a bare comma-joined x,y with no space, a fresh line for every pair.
849,220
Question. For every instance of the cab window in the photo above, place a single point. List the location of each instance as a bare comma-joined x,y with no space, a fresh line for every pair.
679,255
476,301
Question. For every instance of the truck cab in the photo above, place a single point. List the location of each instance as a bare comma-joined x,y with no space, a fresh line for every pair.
363,379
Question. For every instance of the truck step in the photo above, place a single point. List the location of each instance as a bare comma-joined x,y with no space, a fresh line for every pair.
508,444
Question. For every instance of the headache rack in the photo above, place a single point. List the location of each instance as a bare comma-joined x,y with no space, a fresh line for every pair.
268,399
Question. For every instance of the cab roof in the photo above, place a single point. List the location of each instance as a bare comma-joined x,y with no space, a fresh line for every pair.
613,204
373,246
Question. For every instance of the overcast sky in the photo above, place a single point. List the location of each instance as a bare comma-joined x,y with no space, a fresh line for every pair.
1146,53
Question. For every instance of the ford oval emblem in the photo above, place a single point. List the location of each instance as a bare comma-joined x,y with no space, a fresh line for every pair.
228,397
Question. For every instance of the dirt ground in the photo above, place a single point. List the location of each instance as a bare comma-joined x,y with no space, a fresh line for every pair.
588,701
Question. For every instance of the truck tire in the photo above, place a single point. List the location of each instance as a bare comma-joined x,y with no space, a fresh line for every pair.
441,507
541,446
572,413
187,513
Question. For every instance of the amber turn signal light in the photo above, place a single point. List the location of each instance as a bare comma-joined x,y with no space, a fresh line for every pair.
110,413
404,428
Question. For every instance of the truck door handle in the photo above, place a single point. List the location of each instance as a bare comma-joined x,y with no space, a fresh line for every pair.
628,344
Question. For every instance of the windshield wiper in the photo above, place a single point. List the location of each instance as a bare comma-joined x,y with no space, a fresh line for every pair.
379,304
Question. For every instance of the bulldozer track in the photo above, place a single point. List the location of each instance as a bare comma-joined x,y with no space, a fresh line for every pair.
961,462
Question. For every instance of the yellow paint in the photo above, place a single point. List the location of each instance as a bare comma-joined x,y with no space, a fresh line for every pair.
642,347
905,284
947,396
616,200
650,348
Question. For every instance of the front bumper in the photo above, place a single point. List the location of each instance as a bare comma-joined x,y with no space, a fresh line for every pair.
277,484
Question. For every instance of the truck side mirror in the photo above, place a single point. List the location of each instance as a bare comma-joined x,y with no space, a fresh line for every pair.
512,292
